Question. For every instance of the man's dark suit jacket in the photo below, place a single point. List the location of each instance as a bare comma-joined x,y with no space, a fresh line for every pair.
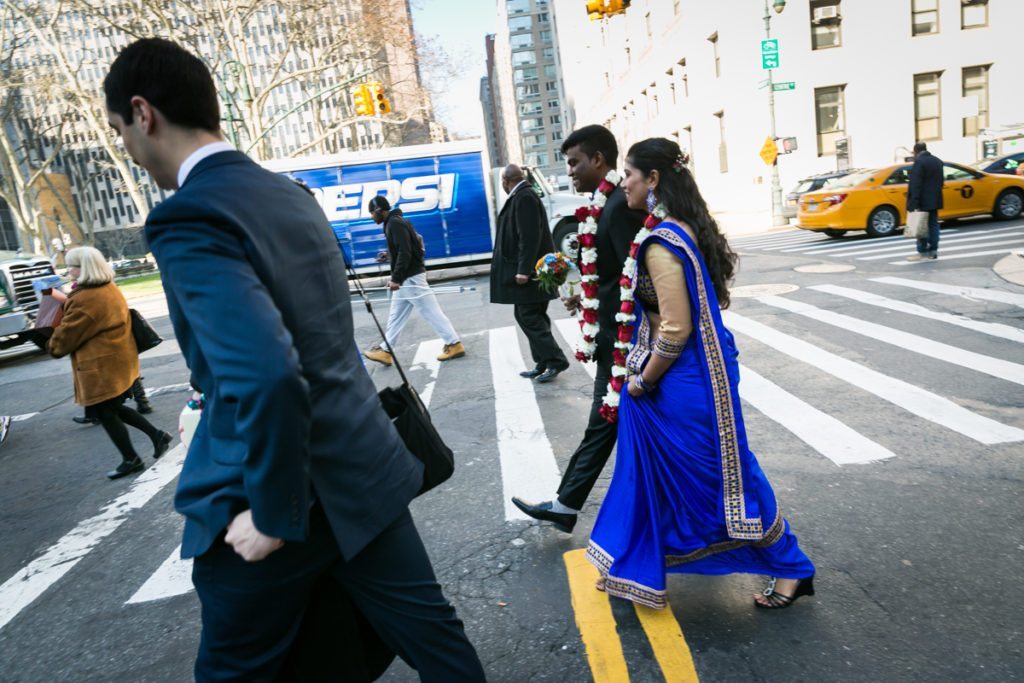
521,239
258,296
925,191
616,229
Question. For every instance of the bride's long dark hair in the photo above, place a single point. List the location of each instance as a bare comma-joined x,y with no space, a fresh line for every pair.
677,190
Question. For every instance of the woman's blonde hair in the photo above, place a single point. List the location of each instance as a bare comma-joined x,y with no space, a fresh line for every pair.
94,267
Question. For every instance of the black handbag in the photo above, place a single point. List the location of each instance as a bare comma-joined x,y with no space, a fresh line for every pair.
144,334
411,418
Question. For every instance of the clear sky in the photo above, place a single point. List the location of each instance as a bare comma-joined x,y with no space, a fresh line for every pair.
460,27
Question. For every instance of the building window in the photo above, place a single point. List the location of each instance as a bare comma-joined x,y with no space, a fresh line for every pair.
556,119
825,21
516,24
551,86
550,71
830,117
683,77
973,13
521,75
518,6
544,18
647,24
723,157
526,57
713,39
975,83
924,16
927,106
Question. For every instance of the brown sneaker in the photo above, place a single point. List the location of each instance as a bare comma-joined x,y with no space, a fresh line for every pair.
456,350
918,257
378,354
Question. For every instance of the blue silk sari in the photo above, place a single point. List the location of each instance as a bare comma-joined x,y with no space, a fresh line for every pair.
687,495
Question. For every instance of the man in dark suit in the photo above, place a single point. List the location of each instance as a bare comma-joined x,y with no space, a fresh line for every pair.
294,472
522,238
590,153
925,194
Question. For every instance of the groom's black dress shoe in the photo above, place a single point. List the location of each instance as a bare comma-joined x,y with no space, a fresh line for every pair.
126,468
548,375
542,511
530,374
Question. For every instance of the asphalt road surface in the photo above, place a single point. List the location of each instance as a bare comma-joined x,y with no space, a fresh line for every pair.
883,400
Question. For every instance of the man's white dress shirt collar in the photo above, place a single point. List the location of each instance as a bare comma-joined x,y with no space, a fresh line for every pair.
198,155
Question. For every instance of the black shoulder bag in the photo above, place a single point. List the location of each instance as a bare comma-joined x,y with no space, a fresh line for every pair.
410,417
144,334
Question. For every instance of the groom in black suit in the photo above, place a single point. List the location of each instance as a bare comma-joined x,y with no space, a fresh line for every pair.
295,473
590,153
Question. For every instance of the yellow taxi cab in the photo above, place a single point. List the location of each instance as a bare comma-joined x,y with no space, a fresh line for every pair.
876,200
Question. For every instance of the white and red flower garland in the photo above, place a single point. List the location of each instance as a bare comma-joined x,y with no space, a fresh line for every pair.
589,280
626,317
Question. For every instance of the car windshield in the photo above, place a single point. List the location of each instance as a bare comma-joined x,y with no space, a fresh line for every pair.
803,186
980,164
849,180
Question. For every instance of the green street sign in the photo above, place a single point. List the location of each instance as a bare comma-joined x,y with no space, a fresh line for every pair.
788,85
770,54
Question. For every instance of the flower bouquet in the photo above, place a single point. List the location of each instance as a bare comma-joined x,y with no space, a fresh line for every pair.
553,270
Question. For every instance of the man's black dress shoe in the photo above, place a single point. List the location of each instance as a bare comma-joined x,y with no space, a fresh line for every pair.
548,375
144,408
542,511
126,468
82,420
530,374
161,445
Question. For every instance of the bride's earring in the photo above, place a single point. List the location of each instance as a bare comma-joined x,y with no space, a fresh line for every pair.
652,201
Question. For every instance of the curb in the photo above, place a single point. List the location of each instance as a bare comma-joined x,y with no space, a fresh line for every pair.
1011,268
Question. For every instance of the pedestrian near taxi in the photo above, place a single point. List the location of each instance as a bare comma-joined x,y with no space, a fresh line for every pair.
925,194
408,285
521,239
96,331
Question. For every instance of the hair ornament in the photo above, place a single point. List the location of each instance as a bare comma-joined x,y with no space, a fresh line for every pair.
681,162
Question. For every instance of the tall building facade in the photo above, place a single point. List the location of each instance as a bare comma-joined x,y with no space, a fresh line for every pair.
284,88
525,78
863,79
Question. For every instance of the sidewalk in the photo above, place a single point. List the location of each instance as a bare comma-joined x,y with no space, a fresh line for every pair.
734,224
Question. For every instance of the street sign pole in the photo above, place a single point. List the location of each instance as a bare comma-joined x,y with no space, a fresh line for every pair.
777,217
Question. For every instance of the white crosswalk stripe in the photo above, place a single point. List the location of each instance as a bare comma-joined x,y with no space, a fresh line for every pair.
973,254
955,290
993,329
919,402
997,367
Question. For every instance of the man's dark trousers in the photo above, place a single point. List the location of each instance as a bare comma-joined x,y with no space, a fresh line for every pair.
249,625
533,320
930,245
598,441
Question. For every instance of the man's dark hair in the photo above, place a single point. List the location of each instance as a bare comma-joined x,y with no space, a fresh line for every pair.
593,139
920,147
379,202
170,78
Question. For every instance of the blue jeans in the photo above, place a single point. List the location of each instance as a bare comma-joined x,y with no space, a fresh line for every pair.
930,245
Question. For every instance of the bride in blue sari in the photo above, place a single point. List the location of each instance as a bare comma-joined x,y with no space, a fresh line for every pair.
687,494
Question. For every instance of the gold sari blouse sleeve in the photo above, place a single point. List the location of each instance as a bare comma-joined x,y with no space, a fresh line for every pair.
669,279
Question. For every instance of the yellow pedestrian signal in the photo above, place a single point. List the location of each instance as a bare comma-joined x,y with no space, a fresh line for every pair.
362,101
602,9
595,9
380,101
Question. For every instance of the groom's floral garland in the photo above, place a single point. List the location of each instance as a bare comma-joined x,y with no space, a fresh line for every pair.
626,317
587,236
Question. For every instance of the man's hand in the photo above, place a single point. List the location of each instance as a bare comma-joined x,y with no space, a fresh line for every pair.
246,539
383,257
522,279
393,286
572,303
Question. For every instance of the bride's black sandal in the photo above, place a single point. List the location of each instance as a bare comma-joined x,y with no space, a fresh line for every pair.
780,601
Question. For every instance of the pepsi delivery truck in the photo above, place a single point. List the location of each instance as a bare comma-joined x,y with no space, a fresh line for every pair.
442,188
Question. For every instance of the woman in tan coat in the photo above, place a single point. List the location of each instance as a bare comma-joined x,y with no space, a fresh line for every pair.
97,331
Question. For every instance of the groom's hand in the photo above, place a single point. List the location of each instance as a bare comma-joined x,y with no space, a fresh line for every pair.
572,303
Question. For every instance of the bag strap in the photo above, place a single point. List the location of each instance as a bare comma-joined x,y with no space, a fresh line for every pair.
354,277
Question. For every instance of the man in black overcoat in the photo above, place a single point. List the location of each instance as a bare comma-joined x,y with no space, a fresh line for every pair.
925,194
590,153
523,237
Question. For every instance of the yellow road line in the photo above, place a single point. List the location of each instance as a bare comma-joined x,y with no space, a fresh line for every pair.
668,643
595,620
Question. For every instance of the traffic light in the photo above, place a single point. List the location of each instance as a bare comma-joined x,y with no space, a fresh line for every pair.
602,9
362,100
381,105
